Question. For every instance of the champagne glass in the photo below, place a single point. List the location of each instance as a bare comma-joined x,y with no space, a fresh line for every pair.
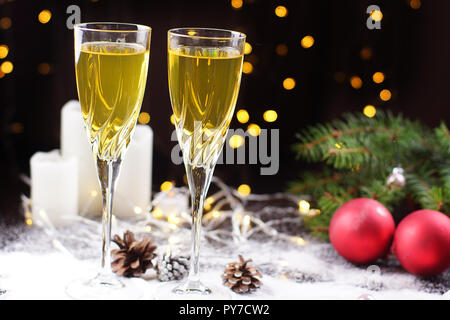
111,64
204,67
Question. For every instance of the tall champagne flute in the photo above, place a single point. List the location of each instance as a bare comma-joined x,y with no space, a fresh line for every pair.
204,67
111,64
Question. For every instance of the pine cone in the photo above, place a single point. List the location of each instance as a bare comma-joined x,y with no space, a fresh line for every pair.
133,257
171,267
240,277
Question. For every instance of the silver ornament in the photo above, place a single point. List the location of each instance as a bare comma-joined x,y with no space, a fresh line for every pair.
396,180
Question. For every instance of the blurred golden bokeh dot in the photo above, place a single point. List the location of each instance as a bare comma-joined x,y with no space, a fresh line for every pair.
244,190
247,67
385,95
270,115
281,11
378,77
144,118
172,119
236,4
356,82
366,53
253,129
289,83
4,50
5,23
16,127
2,74
415,4
236,141
44,68
281,49
376,15
242,116
7,67
369,111
44,16
166,186
307,42
247,48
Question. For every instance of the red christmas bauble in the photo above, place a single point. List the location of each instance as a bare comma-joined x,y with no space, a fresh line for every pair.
422,242
361,230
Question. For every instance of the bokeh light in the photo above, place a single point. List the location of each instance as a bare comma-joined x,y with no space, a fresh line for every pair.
172,119
242,116
270,115
370,111
376,15
166,186
307,42
236,4
144,118
366,53
244,190
4,50
247,48
44,16
385,95
415,4
253,129
356,82
44,68
5,23
281,49
247,67
7,67
289,83
378,77
281,11
236,141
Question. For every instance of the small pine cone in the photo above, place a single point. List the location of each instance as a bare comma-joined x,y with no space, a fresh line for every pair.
171,267
133,257
240,277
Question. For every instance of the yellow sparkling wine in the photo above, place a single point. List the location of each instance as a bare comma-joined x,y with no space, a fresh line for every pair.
203,85
111,80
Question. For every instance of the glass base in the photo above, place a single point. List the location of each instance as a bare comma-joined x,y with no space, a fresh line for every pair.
103,287
191,290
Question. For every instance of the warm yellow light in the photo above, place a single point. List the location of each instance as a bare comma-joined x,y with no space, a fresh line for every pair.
215,214
376,15
4,50
365,53
148,228
236,4
173,219
242,116
244,190
304,206
253,129
44,16
289,83
236,141
281,11
137,210
281,49
356,82
307,42
44,68
247,67
172,119
94,193
370,111
28,222
300,241
192,32
385,95
270,115
157,213
378,77
247,48
208,203
5,23
7,67
144,118
337,145
415,4
166,186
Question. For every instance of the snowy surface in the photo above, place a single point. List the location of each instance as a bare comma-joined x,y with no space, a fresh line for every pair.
38,264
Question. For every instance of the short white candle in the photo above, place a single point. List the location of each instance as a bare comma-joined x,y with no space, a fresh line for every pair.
54,187
74,143
133,191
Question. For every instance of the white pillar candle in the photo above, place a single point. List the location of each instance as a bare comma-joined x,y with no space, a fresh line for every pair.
133,191
74,143
54,187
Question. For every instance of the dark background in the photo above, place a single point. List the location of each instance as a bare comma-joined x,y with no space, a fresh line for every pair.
412,49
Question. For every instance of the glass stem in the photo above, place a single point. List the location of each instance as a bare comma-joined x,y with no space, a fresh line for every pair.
108,171
199,180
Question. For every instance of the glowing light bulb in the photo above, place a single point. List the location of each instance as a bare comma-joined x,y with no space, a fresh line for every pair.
376,15
378,77
289,83
303,206
385,95
236,4
247,48
7,67
4,50
236,141
253,129
242,116
166,186
356,82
